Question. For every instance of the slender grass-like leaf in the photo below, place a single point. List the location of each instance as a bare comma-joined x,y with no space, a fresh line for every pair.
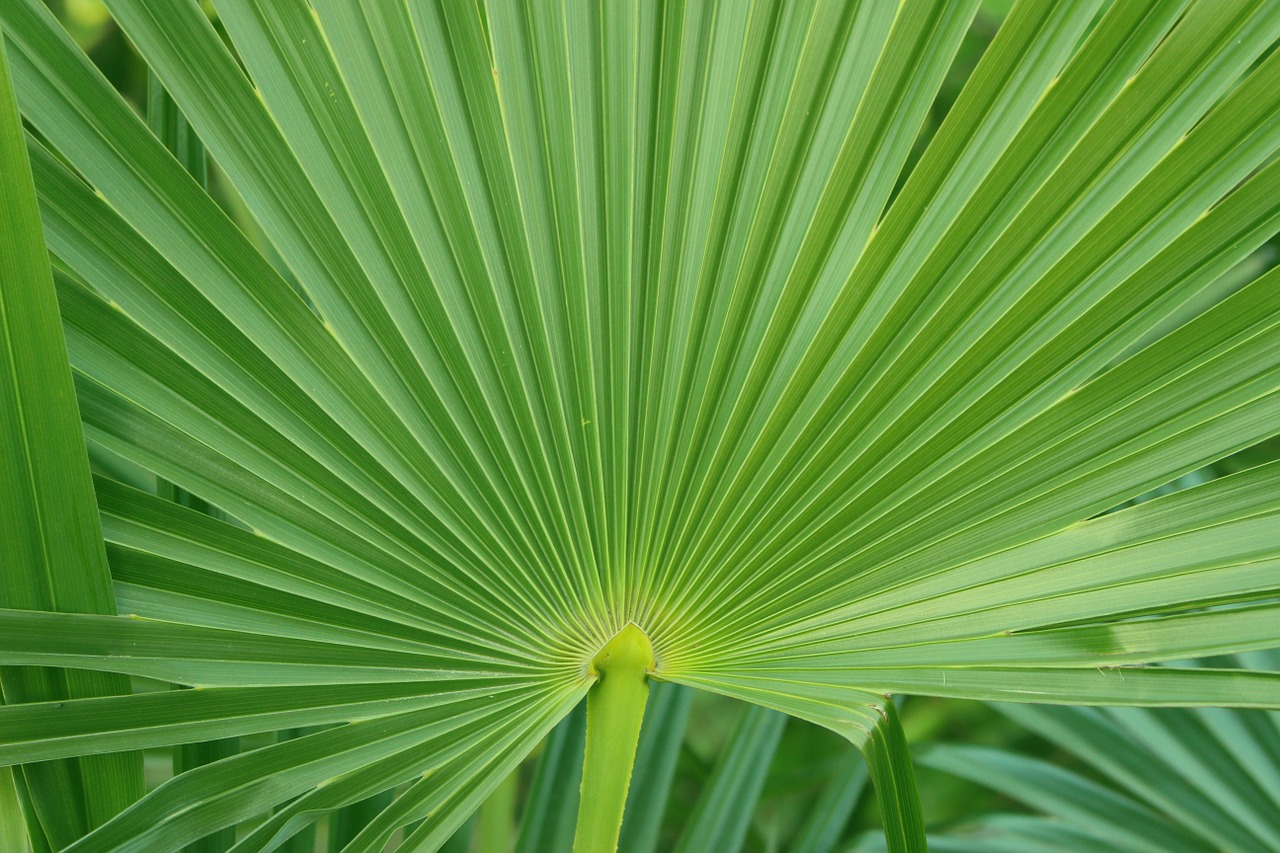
723,812
50,542
1201,779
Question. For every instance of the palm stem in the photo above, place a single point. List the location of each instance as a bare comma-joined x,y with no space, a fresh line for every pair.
615,708
889,760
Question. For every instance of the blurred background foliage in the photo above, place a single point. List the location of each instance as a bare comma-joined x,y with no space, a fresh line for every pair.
778,809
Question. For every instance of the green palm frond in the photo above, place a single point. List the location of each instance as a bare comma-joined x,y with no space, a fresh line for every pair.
548,319
1191,779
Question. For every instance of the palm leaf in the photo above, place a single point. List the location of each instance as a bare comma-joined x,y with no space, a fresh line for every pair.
1192,779
50,542
572,317
723,813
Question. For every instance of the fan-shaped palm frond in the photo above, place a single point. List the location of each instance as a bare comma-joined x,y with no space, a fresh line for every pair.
596,315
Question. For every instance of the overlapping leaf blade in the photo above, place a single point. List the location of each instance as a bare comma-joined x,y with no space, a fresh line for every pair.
50,542
1200,779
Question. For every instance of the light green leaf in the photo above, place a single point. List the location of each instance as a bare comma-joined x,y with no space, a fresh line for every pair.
228,791
13,824
47,730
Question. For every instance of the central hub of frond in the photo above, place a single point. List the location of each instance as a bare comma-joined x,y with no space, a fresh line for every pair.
629,654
